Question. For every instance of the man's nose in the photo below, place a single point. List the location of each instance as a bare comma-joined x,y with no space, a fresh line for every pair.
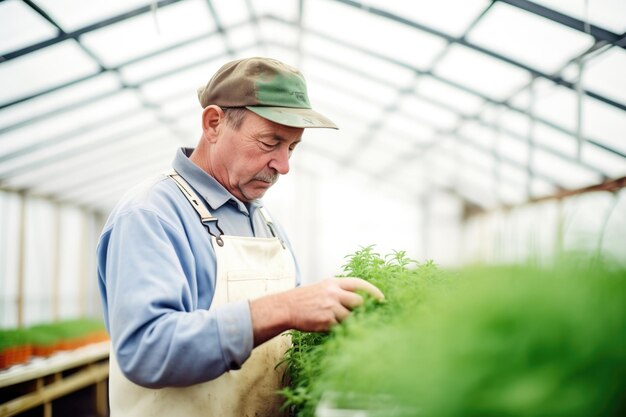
280,161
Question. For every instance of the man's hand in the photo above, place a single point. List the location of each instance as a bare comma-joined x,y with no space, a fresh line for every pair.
315,307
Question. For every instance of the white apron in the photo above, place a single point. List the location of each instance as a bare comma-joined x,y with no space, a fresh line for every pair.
247,267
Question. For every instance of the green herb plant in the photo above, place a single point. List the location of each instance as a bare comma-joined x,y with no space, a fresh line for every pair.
484,341
400,278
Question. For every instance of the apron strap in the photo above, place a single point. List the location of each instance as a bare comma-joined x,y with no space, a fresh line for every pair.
270,225
205,215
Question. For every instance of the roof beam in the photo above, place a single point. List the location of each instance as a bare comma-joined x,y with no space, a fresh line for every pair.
465,118
118,67
220,27
462,41
63,36
461,87
598,33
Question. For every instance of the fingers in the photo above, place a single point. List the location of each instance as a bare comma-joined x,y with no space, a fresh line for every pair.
318,307
355,284
341,313
350,300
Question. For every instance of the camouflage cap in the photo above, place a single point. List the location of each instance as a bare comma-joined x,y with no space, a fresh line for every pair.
267,87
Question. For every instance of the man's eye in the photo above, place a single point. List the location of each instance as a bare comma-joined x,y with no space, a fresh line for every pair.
268,145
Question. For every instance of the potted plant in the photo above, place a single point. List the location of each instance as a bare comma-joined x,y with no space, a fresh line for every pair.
15,347
44,340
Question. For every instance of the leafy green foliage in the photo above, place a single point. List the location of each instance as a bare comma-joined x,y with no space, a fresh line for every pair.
10,338
398,277
483,341
48,334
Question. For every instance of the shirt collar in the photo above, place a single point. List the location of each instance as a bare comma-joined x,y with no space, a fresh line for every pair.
208,187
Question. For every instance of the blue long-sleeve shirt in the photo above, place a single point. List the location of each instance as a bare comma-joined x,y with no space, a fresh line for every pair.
156,274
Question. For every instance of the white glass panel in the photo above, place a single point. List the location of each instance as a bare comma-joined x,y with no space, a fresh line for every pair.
613,165
39,272
508,176
312,162
510,194
247,51
351,122
331,143
106,193
500,120
9,258
20,27
476,186
184,104
479,134
287,9
288,56
140,35
105,196
409,180
604,123
71,245
480,72
553,139
477,156
189,125
568,174
66,96
429,113
53,175
445,161
375,157
418,131
513,121
608,14
242,37
513,174
528,38
103,170
104,133
358,27
512,149
189,54
43,69
230,12
605,74
273,31
117,104
350,58
450,16
402,142
74,14
556,104
348,83
188,81
541,188
458,100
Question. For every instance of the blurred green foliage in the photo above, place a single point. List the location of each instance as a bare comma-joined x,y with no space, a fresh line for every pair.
47,334
482,341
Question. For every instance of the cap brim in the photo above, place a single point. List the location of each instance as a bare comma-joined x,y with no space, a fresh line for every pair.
294,117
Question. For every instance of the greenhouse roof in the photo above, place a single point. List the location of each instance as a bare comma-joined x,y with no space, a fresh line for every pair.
497,102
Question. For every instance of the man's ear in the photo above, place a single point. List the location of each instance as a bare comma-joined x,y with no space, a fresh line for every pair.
212,121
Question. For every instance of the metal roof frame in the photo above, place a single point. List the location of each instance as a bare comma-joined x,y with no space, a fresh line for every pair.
602,37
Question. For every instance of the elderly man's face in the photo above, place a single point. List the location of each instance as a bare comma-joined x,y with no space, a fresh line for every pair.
248,161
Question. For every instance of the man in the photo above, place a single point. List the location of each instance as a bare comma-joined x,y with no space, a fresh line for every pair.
197,281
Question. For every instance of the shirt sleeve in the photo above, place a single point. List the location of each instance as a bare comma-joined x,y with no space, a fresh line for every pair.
147,279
